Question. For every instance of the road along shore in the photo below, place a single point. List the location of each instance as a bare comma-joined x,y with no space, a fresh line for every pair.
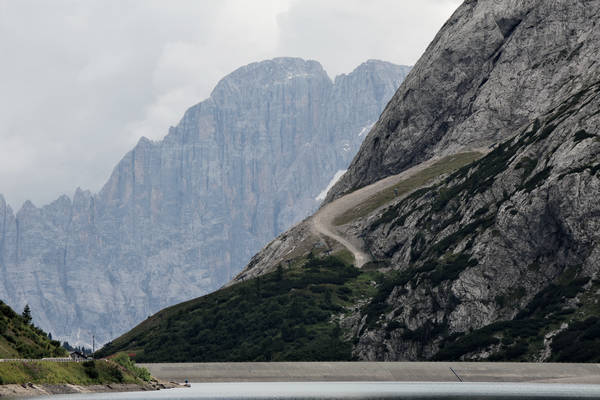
377,371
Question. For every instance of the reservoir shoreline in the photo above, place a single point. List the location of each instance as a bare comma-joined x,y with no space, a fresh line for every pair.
435,372
43,389
566,373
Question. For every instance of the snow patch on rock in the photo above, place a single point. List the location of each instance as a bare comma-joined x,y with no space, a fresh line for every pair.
366,129
332,182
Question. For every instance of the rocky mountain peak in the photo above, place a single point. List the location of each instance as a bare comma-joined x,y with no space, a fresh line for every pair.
264,75
374,66
27,208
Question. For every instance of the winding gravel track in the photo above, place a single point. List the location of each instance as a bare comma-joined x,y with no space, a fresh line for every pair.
322,221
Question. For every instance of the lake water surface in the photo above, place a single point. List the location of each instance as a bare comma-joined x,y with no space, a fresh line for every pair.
355,390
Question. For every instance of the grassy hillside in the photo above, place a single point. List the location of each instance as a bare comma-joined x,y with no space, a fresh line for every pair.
21,339
285,315
118,370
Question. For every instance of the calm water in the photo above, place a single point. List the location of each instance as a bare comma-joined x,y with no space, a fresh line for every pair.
355,390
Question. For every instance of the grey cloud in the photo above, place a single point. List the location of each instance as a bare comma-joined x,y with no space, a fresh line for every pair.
82,81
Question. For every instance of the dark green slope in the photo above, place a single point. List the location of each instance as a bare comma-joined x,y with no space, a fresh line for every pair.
285,315
21,339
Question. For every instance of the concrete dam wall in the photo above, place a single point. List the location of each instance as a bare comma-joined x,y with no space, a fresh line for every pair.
377,371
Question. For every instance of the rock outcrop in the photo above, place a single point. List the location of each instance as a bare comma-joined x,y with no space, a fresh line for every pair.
493,67
179,217
499,260
498,255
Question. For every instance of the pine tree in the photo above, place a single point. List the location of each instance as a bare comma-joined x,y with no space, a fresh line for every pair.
279,273
27,314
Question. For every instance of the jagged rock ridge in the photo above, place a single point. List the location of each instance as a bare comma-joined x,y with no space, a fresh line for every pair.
178,217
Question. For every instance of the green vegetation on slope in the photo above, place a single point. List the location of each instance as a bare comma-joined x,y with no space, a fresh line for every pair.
521,338
561,317
284,315
443,166
580,342
127,363
85,373
19,338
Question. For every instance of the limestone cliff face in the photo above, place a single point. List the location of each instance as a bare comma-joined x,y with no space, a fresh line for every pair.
499,260
179,217
492,67
513,237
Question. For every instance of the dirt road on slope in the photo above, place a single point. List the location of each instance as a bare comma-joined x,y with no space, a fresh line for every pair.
322,222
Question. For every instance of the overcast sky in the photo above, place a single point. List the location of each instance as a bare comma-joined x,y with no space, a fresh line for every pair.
82,80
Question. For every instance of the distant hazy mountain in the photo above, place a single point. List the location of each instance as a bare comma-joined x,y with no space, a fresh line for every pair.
179,217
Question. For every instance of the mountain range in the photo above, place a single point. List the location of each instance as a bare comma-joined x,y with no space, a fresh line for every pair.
465,228
179,217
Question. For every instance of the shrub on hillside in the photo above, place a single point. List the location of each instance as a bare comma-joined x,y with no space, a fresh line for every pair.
90,369
123,360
